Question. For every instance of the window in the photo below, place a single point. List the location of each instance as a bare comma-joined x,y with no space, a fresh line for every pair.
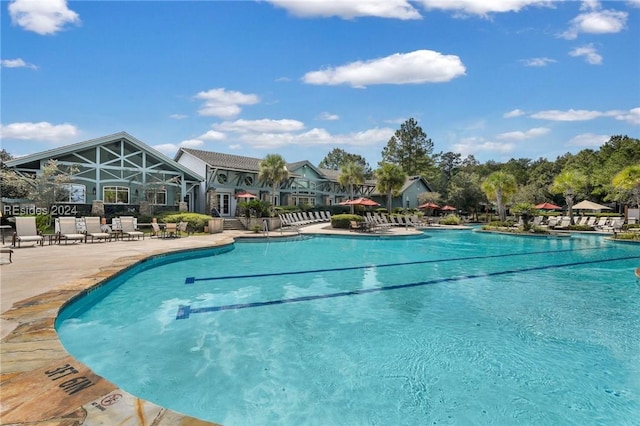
222,179
156,196
71,193
115,195
248,180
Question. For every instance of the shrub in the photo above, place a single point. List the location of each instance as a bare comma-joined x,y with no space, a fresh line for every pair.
580,228
343,221
451,219
196,221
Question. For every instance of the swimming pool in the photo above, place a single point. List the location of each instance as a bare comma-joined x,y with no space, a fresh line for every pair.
455,328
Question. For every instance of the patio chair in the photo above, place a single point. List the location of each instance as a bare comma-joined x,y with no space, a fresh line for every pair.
157,231
171,230
183,227
67,229
26,231
128,228
94,229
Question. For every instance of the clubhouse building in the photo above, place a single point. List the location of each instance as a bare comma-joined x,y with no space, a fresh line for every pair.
121,174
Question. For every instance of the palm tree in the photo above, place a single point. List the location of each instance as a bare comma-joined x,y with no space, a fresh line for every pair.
390,178
273,171
350,175
569,183
628,179
500,186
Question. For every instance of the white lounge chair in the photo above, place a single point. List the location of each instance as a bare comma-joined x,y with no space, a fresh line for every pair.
128,227
26,231
67,229
94,229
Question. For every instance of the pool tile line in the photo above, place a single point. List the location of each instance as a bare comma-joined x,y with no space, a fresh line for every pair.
192,280
185,311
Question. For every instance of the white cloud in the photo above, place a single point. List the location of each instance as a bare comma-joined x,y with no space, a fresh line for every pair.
482,7
171,149
178,116
316,136
475,145
42,131
595,21
42,17
420,66
570,115
16,63
632,116
328,116
519,135
514,113
260,126
588,140
212,135
396,9
220,103
589,52
537,62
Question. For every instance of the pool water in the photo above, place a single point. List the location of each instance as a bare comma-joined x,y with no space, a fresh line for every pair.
454,328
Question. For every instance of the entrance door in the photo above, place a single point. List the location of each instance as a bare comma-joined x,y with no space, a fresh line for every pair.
224,204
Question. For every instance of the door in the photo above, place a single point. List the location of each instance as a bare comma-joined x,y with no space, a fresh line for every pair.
224,204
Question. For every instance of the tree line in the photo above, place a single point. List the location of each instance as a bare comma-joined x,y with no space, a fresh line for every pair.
610,174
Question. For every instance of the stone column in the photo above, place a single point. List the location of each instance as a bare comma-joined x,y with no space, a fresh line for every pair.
183,207
97,208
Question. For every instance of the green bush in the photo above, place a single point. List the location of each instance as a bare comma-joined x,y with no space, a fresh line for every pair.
451,219
196,221
580,228
343,221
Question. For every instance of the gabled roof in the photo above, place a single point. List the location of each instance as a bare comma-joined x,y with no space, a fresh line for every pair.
67,149
248,164
218,159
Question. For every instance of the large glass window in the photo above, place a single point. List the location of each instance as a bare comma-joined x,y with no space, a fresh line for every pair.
115,195
156,196
72,193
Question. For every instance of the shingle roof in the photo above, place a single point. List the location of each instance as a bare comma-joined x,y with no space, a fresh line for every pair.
229,161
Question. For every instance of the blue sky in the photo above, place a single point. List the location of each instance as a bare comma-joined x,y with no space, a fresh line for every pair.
498,79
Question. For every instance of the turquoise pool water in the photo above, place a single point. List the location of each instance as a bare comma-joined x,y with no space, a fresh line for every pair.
455,328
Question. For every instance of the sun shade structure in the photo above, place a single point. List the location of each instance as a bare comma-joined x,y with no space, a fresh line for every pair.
590,205
246,195
547,206
362,201
428,206
449,208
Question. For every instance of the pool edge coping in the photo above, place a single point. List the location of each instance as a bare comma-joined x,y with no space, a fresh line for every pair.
54,385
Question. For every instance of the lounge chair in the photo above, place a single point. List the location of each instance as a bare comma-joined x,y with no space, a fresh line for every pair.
94,229
26,231
67,229
128,226
592,221
602,223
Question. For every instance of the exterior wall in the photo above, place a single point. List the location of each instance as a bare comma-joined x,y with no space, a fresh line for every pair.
117,161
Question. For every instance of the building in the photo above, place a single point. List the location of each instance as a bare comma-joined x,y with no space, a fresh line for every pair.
118,171
227,175
121,174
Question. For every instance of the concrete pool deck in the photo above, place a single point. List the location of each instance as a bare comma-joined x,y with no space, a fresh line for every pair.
40,383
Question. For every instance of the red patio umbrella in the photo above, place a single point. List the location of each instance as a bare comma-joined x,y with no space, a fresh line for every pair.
246,195
362,201
547,206
428,206
449,208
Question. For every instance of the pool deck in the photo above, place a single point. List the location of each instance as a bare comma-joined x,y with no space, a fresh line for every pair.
40,383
